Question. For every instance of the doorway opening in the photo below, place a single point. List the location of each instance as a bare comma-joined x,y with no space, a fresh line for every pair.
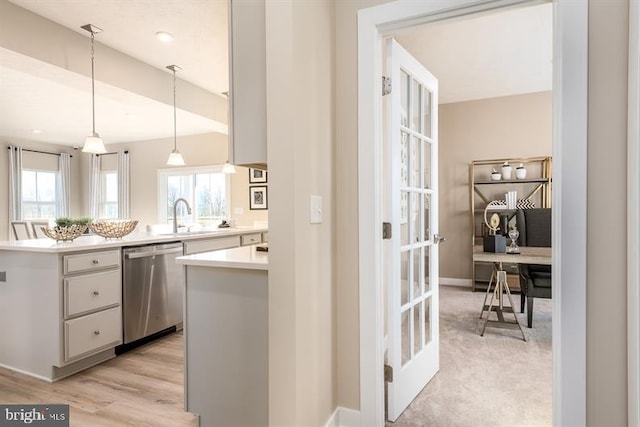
569,139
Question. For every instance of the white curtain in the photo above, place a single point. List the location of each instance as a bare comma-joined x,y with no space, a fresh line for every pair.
123,184
94,191
15,186
64,185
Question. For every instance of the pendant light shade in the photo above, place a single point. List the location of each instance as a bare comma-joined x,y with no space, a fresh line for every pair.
228,168
175,158
93,144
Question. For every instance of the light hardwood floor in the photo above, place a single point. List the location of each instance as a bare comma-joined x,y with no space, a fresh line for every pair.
143,387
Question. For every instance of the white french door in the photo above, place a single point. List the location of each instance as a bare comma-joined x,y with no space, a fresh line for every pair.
411,206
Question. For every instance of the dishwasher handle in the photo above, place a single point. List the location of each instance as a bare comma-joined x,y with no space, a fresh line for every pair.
146,254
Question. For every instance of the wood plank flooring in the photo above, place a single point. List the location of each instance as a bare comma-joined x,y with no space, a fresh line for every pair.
143,387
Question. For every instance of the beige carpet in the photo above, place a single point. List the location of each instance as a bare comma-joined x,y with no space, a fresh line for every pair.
497,380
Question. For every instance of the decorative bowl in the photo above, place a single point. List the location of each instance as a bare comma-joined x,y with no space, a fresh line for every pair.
113,229
64,233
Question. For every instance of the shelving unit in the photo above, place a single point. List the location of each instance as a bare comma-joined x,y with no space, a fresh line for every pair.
482,190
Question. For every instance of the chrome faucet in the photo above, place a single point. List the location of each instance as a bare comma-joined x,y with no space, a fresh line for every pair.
175,212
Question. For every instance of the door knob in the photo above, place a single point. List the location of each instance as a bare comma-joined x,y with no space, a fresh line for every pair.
437,238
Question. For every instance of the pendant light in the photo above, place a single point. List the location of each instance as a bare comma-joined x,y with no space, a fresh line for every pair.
93,143
228,168
175,158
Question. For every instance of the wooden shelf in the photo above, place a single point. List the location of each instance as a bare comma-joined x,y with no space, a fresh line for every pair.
482,190
515,181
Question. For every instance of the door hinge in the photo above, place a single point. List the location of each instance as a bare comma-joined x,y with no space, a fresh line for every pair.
386,230
386,85
388,374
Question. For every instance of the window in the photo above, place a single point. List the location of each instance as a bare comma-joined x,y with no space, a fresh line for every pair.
109,195
38,194
206,189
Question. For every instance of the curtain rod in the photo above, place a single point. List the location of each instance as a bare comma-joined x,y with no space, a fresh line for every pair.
41,152
115,152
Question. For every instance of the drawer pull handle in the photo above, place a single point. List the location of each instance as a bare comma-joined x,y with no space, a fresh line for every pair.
96,261
96,332
96,293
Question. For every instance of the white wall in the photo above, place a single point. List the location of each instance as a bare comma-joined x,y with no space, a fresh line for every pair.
300,123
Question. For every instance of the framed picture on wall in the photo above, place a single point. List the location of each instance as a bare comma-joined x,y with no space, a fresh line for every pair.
258,197
257,176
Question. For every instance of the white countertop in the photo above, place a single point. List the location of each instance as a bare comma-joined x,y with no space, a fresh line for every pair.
93,242
244,257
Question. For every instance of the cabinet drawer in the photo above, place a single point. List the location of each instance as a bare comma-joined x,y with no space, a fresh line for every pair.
251,239
91,261
92,332
197,246
91,292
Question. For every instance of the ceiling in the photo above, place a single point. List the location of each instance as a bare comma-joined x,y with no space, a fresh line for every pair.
484,56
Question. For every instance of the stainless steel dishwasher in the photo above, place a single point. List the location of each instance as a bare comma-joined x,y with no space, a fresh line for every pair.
152,290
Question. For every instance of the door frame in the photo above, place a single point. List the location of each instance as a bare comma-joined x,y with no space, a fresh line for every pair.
633,217
569,222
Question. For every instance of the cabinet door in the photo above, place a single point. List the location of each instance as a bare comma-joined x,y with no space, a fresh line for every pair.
251,239
92,292
92,333
247,75
91,261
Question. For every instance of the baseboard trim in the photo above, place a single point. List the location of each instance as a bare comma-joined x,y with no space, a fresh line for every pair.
451,281
344,417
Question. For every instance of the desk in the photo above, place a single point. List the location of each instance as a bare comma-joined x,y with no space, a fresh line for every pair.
528,255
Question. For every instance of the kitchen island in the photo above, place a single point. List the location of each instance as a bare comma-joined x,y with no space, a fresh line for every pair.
61,302
226,336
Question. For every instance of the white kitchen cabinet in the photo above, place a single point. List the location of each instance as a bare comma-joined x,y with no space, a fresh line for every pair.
227,337
91,292
91,261
88,334
247,79
60,304
251,239
214,244
92,295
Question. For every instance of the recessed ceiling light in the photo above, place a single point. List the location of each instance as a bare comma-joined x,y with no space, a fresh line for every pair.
163,36
36,131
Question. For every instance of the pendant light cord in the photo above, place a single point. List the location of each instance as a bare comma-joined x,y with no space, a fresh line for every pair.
175,132
93,90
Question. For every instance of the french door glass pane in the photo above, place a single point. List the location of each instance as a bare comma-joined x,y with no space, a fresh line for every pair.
427,320
426,161
417,273
416,106
414,208
405,334
427,269
404,277
416,162
427,113
427,213
404,98
404,214
404,160
418,324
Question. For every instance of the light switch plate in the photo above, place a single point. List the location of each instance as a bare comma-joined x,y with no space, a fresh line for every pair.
238,211
315,209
